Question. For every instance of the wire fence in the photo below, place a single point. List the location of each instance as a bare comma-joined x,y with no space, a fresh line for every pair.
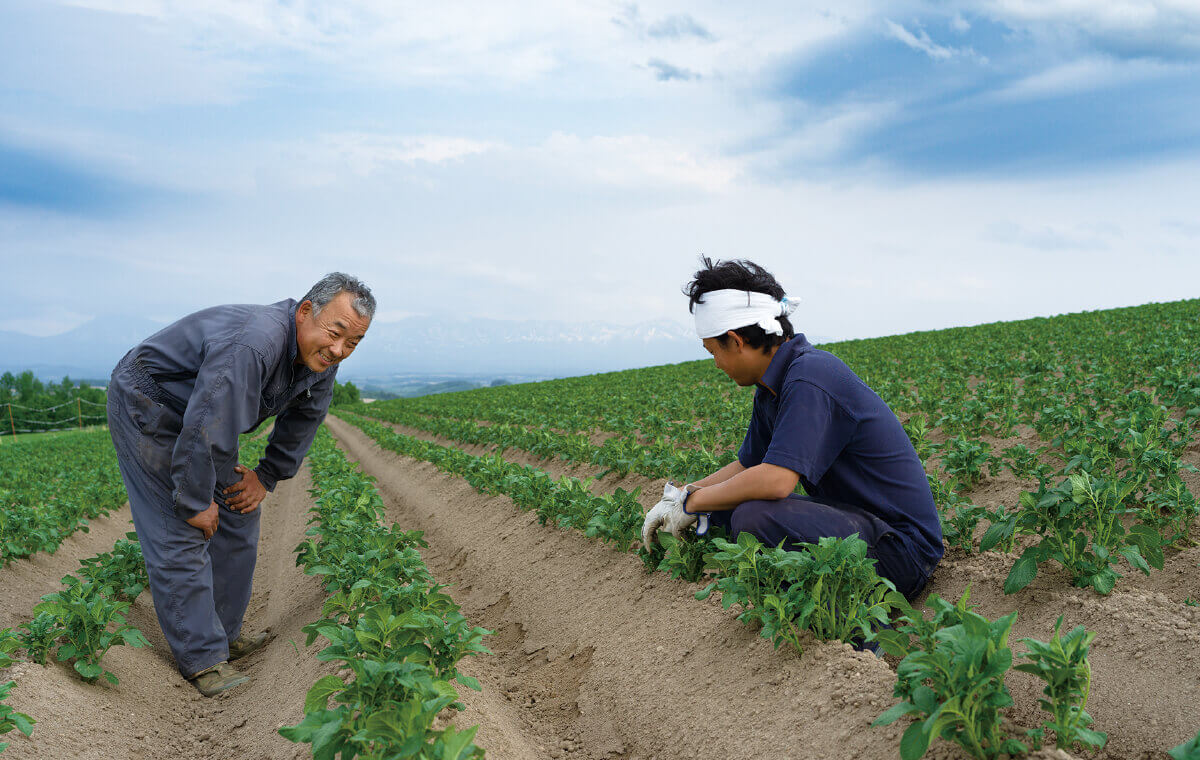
75,414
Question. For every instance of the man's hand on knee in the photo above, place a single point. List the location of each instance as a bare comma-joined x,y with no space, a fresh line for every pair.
207,520
245,495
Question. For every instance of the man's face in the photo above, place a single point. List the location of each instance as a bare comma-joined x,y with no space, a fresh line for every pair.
324,339
733,359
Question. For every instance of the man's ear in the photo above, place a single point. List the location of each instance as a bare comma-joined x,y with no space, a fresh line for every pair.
738,341
304,310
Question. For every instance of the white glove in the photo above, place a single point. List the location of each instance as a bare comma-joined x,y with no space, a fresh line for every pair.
667,514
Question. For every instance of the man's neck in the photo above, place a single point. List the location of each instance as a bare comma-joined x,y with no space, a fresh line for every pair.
766,362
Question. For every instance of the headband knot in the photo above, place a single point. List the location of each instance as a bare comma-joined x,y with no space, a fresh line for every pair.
719,311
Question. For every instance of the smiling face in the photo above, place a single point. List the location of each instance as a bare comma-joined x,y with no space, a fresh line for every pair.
324,339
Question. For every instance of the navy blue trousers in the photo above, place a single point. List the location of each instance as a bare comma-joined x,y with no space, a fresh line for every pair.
200,588
802,519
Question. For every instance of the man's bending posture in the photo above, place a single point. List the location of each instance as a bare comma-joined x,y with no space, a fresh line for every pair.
176,404
814,423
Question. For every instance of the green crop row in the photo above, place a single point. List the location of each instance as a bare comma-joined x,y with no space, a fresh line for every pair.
621,454
396,636
1113,395
829,589
952,680
52,487
968,381
80,622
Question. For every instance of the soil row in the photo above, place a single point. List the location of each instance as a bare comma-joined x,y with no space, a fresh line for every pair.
1145,661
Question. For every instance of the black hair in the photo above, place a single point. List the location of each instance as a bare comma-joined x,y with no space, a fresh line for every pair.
739,274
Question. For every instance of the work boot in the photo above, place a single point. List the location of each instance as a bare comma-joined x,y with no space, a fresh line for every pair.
244,645
220,677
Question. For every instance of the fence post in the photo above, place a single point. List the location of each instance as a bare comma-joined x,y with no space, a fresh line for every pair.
12,424
79,411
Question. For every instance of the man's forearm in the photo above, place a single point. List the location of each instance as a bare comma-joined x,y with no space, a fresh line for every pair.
721,475
764,481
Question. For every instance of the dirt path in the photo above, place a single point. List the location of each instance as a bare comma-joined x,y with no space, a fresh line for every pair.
25,580
596,659
153,713
1146,659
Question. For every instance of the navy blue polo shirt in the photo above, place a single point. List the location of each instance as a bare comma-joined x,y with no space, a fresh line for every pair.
814,416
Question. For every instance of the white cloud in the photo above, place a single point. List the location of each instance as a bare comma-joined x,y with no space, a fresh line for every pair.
1142,28
635,161
1090,73
919,41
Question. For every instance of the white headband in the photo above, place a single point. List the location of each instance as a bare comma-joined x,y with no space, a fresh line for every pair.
724,310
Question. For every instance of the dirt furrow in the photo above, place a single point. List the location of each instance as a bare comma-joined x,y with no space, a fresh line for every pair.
605,661
651,487
26,580
153,712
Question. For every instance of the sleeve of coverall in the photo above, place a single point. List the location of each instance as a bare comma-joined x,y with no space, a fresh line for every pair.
294,430
224,402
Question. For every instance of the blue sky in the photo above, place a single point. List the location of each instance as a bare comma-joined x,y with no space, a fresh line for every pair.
899,165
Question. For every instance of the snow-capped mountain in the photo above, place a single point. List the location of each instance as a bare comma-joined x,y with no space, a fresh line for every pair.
458,345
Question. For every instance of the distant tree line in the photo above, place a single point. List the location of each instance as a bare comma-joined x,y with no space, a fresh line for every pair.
30,405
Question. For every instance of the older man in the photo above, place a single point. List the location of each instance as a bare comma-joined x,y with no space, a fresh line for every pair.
176,405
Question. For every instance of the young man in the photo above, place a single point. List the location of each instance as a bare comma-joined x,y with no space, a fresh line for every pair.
814,423
176,404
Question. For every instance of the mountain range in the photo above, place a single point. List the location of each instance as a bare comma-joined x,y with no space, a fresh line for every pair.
454,346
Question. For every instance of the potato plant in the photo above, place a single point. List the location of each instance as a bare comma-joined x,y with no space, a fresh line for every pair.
1113,395
952,680
397,637
88,624
1080,526
850,599
9,718
829,588
1062,663
123,570
52,487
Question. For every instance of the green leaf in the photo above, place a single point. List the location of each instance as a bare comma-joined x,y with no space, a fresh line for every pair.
893,713
1094,739
469,682
996,533
1024,570
457,744
915,742
320,692
1131,553
23,723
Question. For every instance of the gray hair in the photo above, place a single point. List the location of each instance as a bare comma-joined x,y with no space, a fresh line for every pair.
328,288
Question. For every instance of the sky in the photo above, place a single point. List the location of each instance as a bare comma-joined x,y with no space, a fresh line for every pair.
897,165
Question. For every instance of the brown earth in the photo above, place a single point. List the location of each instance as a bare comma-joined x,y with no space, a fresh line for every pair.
593,658
153,712
1145,660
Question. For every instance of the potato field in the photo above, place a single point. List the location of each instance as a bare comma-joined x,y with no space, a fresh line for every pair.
462,574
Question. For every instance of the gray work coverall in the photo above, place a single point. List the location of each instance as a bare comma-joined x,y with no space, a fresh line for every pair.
176,404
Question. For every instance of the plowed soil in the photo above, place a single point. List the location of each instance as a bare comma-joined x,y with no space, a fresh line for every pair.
1145,660
593,658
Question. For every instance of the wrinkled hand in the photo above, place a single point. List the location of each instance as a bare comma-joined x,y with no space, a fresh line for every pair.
245,495
666,515
207,520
